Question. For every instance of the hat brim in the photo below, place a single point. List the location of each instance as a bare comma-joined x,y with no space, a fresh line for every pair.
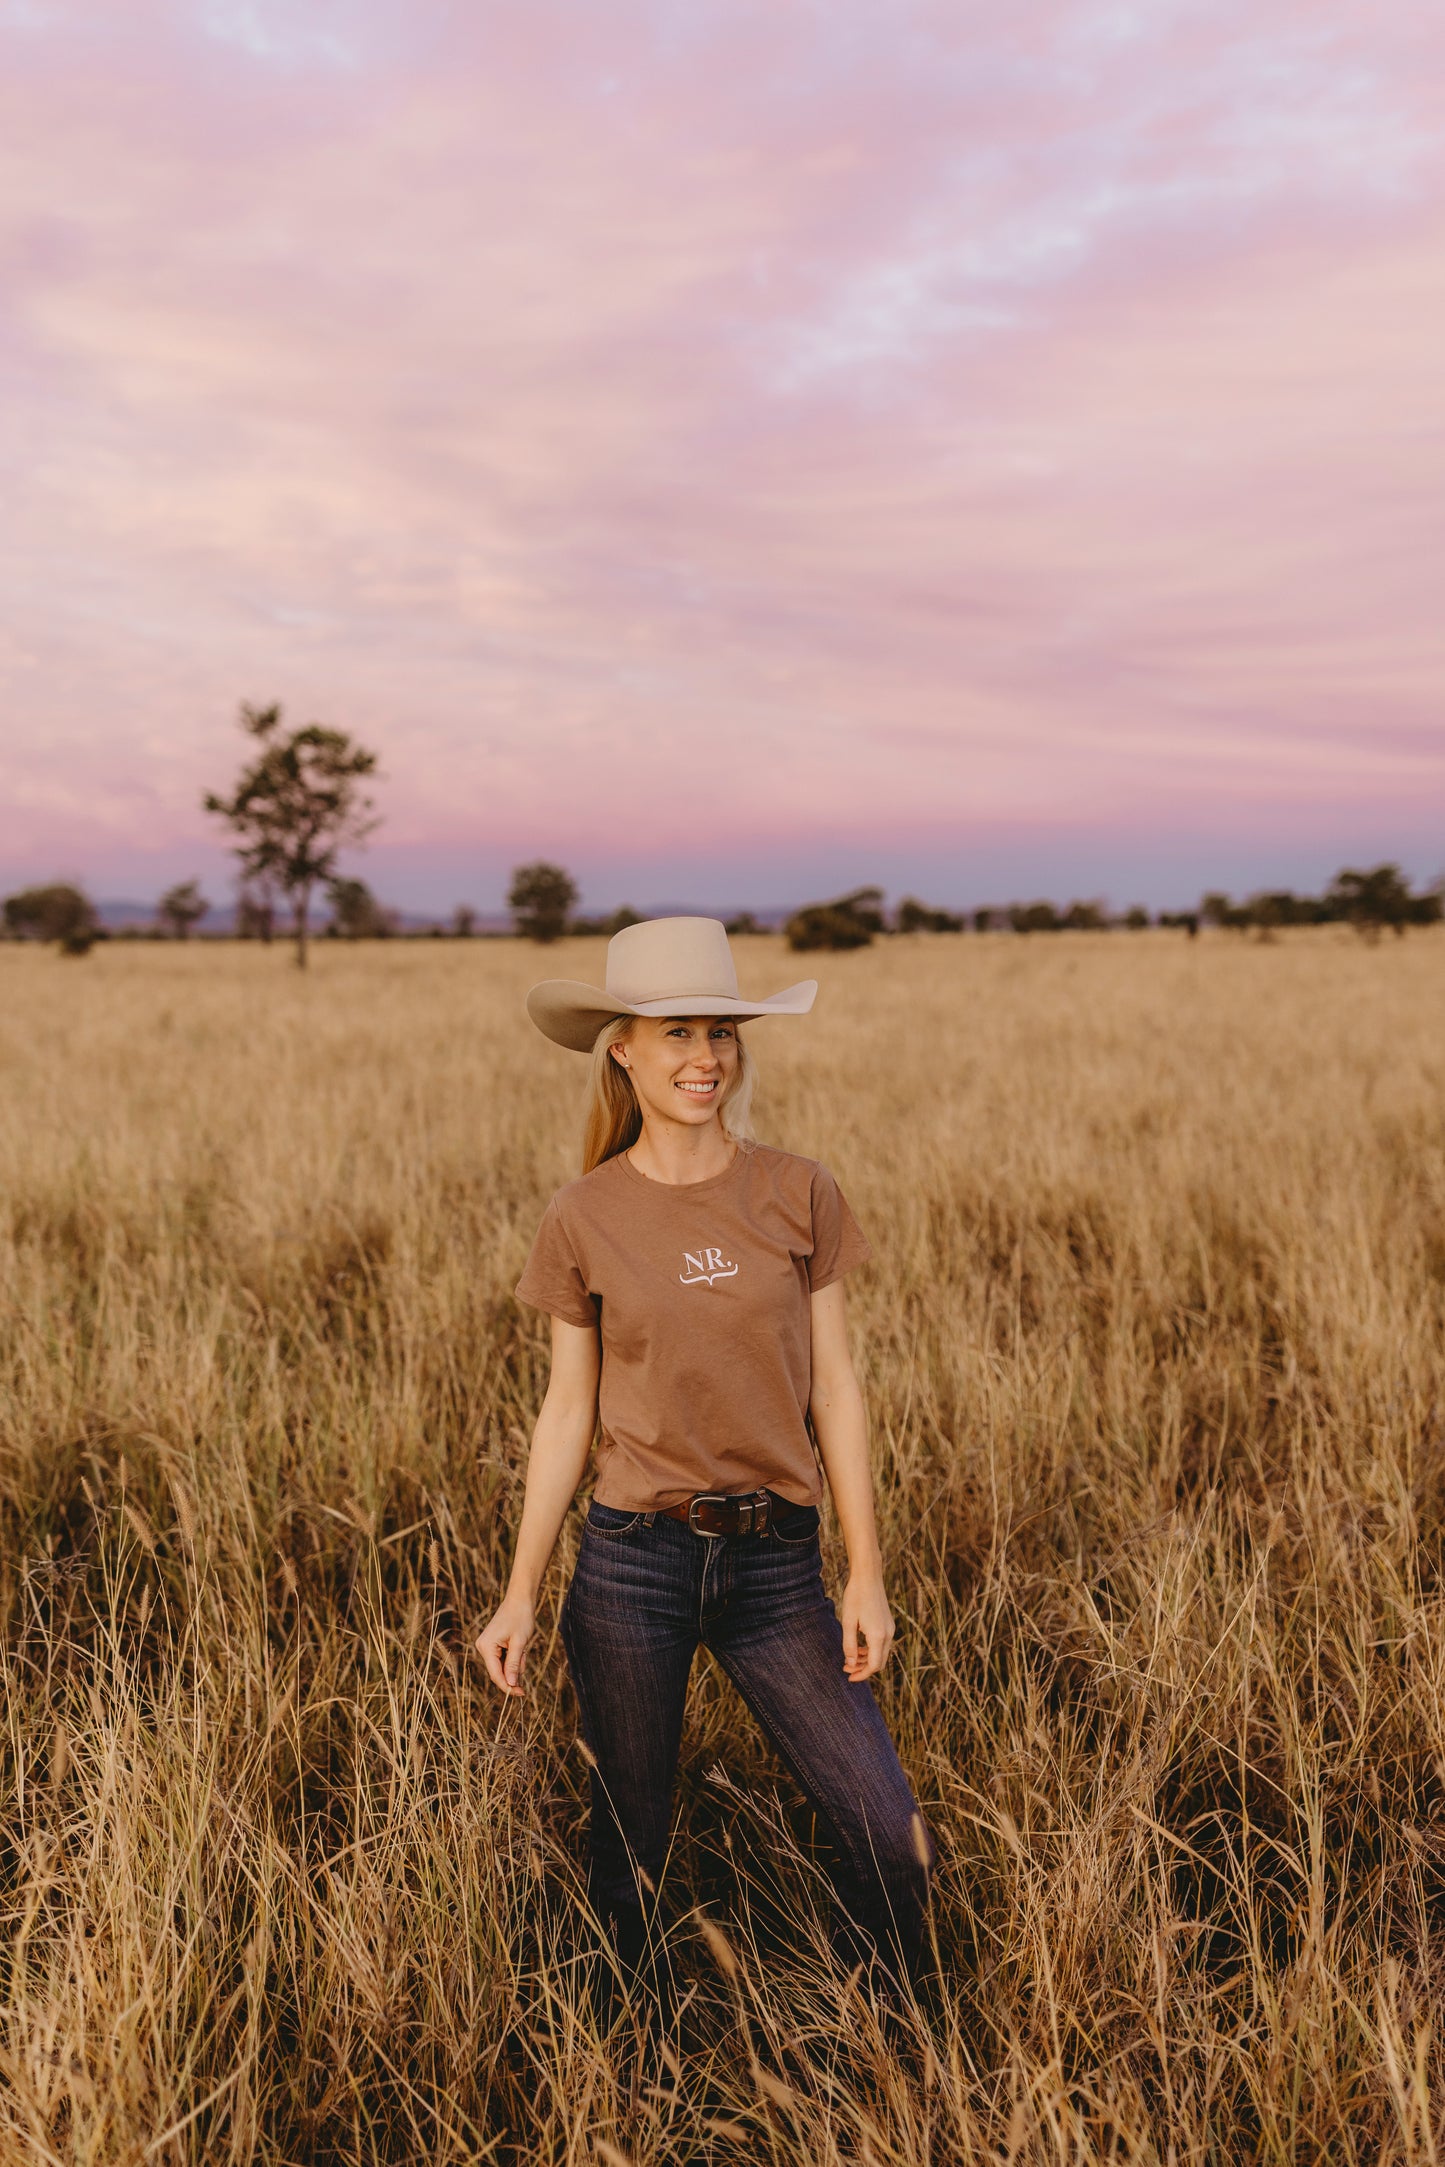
572,1014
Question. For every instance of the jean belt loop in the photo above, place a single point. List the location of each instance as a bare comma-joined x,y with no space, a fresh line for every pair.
648,1518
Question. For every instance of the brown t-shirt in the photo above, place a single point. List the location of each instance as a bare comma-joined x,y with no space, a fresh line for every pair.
701,1290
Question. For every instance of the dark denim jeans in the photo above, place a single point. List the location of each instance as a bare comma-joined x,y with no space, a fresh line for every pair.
646,1591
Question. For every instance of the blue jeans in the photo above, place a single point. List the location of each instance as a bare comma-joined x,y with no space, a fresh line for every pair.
646,1592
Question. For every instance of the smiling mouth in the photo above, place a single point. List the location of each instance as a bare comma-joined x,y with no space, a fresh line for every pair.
697,1090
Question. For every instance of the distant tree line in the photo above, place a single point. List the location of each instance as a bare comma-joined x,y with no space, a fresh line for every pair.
301,797
543,896
1373,902
542,899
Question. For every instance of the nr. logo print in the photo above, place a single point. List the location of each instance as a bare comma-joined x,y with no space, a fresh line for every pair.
704,1267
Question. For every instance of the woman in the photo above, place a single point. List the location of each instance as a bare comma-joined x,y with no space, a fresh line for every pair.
694,1281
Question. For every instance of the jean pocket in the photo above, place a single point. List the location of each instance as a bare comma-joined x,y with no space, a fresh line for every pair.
797,1524
609,1523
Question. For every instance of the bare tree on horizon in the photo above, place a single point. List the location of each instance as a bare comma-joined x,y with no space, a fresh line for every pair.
294,807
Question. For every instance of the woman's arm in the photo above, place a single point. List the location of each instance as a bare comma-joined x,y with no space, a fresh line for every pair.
560,1445
839,1424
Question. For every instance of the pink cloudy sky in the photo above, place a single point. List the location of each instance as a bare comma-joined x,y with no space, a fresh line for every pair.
738,447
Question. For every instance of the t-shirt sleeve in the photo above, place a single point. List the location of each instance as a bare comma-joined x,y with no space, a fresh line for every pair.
838,1241
552,1278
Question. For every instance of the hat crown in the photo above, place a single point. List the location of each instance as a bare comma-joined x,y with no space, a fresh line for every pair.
667,956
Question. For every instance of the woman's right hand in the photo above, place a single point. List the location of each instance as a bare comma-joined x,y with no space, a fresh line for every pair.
502,1644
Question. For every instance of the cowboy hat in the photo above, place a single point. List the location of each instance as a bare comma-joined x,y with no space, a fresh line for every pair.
663,967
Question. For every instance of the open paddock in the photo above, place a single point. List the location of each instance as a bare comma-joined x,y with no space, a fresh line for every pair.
1153,1351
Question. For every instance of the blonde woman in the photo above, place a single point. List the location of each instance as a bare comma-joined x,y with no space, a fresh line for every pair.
694,1281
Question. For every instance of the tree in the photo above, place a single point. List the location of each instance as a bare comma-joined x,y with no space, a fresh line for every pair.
1136,918
615,921
1085,918
1034,918
255,912
916,917
294,807
182,907
744,922
464,922
850,922
825,925
983,920
1373,901
866,905
1272,908
540,899
58,913
1217,910
355,913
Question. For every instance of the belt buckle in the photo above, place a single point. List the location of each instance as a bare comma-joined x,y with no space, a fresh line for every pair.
753,1513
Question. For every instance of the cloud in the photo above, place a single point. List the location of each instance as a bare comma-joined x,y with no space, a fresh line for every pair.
788,416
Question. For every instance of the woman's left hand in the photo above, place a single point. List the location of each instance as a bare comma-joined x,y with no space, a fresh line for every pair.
867,1628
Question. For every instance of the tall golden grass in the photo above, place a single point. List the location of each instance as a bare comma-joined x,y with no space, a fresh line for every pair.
1152,1348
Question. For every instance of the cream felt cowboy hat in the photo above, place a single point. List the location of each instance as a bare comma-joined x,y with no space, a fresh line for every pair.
663,967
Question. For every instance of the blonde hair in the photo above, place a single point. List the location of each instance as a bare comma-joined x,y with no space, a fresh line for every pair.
614,1118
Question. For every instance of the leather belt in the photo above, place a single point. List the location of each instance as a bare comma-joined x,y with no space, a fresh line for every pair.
713,1513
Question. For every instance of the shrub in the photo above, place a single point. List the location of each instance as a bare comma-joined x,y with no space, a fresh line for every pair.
616,922
355,913
1034,918
1216,909
57,913
916,917
180,908
850,922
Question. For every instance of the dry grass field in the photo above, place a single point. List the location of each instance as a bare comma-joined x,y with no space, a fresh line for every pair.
1153,1350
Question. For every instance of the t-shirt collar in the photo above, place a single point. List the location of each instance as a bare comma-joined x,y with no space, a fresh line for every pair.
679,1188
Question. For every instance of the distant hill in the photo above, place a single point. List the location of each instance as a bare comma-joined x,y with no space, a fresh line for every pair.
122,915
771,917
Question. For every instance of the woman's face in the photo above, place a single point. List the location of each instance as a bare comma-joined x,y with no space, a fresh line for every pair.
680,1066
